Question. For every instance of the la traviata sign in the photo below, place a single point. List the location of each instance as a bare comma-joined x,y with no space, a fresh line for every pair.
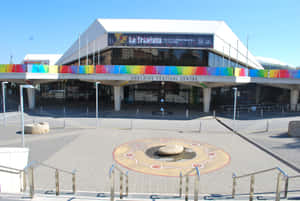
160,40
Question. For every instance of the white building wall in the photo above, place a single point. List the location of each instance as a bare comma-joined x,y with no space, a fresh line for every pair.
96,33
225,38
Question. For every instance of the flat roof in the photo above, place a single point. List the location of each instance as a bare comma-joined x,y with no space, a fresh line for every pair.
160,25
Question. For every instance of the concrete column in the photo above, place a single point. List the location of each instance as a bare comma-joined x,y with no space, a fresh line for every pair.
117,98
31,98
122,93
294,99
257,94
206,99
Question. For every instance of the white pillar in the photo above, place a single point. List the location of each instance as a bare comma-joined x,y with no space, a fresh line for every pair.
117,98
122,93
31,98
294,99
206,99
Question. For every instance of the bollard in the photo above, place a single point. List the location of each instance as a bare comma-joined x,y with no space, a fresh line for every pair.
214,114
180,185
278,187
121,185
187,188
187,113
251,188
267,126
262,113
57,182
73,183
233,185
137,111
64,111
200,126
87,111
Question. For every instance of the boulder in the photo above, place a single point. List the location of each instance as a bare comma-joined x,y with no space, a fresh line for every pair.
294,129
37,128
170,149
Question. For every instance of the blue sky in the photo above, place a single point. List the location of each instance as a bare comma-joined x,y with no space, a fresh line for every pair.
51,26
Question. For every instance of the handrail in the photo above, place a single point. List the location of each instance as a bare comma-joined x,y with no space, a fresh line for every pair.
30,167
16,171
196,184
252,176
112,182
33,163
10,168
286,187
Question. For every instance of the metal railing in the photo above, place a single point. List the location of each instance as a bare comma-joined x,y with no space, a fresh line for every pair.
196,184
112,182
286,186
20,172
30,171
281,174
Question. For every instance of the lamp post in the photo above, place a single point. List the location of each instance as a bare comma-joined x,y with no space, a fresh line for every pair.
3,98
97,83
234,107
27,86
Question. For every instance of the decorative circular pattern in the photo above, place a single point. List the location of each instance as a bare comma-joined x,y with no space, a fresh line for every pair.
207,158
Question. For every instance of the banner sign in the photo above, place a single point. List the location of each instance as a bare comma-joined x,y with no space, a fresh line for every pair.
160,40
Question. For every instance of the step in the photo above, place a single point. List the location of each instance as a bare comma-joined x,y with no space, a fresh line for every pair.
94,196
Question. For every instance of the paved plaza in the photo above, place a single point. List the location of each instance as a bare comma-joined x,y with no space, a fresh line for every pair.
75,143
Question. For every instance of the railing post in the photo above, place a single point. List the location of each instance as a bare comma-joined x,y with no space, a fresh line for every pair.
196,187
187,188
233,185
31,185
112,183
180,185
278,187
57,182
24,181
251,188
73,182
286,187
126,183
121,185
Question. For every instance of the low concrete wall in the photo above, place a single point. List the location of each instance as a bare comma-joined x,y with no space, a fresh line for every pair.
15,158
294,129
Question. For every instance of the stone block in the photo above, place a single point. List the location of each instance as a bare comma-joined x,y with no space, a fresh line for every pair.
37,128
294,129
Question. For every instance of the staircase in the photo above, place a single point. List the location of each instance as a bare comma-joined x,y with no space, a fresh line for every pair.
30,192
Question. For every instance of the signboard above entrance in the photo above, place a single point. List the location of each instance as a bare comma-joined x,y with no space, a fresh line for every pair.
160,40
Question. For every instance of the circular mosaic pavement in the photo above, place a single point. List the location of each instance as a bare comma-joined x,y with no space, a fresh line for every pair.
140,156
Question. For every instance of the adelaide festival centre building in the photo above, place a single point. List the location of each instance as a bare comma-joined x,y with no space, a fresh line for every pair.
181,63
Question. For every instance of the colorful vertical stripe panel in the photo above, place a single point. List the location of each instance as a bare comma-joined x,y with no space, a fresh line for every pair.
240,72
284,74
53,69
274,73
149,70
